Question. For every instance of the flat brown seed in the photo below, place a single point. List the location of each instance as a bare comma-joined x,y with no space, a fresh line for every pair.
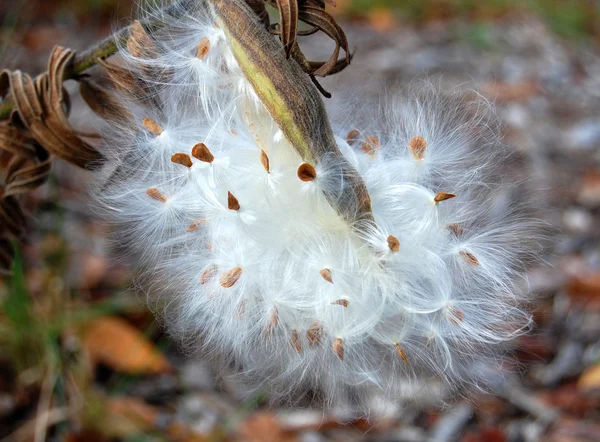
275,317
203,48
295,341
195,225
240,310
202,153
152,126
401,353
370,145
456,229
342,302
314,333
338,348
417,146
156,194
232,202
326,274
393,243
353,137
208,274
230,277
443,196
469,258
307,172
264,160
457,316
182,158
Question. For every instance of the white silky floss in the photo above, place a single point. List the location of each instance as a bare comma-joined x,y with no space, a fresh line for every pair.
249,265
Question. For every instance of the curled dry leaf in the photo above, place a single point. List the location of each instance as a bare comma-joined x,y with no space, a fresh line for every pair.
114,342
43,105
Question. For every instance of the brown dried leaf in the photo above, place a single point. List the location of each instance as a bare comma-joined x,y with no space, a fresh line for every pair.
139,43
114,342
104,103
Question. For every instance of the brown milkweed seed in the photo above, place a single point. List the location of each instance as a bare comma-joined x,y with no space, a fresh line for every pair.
443,196
417,146
195,225
401,353
307,172
152,126
203,48
182,158
295,341
342,302
469,258
264,160
353,137
393,243
326,274
457,229
230,277
338,348
370,145
156,194
456,316
202,153
232,202
208,274
314,333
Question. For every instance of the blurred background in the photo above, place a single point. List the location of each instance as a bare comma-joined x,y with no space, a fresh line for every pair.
81,359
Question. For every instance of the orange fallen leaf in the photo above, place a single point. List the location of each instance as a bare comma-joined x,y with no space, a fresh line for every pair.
115,343
590,379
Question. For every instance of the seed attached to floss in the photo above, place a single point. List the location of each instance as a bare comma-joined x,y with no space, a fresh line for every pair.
307,172
208,274
393,243
182,158
417,146
371,145
401,353
156,194
443,196
352,137
195,225
338,348
295,341
202,153
456,229
152,126
232,202
326,274
314,333
230,277
456,316
264,160
272,325
342,302
469,258
203,48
